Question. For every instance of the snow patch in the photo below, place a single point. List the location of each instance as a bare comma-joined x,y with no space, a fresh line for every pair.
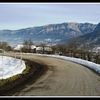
88,64
10,66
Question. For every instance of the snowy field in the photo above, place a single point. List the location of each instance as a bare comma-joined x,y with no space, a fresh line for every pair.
88,64
10,66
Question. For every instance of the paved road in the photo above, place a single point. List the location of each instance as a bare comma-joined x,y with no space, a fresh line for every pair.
63,78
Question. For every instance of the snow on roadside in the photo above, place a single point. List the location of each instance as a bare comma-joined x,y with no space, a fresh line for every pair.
91,65
10,66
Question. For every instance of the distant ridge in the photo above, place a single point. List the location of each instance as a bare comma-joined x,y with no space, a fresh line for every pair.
52,33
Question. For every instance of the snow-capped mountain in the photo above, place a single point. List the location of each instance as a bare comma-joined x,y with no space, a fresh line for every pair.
55,33
91,39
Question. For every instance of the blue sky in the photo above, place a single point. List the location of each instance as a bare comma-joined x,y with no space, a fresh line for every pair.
17,16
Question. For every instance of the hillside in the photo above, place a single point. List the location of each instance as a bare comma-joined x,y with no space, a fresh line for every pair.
55,33
91,39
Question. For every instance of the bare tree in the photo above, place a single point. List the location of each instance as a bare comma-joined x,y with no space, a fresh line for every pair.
27,45
5,46
72,47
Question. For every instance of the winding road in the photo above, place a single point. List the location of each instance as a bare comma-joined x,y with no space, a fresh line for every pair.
63,78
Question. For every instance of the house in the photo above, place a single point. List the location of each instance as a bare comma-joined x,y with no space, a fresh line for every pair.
96,50
19,47
35,49
45,50
48,50
39,49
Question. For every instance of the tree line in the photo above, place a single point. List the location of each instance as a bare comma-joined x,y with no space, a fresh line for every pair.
5,46
70,49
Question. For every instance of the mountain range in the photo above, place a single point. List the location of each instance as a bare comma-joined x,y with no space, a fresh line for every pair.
52,33
91,39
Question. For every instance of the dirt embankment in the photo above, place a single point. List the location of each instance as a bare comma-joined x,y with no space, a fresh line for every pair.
63,78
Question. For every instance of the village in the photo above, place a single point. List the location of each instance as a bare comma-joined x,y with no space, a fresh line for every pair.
59,49
33,49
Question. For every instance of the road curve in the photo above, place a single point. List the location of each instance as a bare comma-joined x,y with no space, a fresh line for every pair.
64,78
